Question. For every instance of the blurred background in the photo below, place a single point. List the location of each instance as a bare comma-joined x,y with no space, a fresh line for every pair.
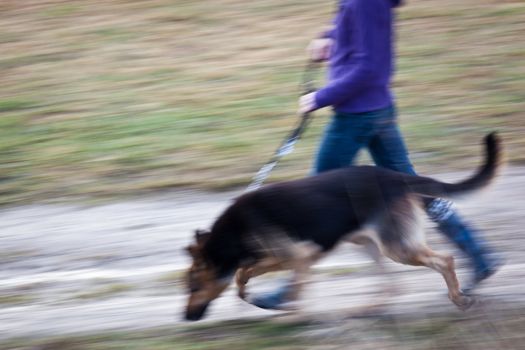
125,124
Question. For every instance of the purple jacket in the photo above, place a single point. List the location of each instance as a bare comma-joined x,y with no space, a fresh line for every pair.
361,61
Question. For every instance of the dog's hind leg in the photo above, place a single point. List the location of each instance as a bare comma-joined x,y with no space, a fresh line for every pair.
370,241
386,284
403,240
388,287
444,264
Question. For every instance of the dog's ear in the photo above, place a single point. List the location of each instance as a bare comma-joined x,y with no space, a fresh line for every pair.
201,236
193,250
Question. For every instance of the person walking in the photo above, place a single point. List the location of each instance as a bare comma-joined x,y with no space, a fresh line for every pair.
360,51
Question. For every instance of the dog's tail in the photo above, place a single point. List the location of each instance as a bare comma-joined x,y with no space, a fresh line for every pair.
483,177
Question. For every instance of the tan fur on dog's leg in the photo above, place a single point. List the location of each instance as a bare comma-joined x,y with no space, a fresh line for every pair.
241,279
244,274
444,264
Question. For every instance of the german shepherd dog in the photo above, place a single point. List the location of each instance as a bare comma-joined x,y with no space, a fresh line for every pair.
290,225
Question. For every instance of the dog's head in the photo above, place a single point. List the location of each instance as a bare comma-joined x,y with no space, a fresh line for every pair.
203,284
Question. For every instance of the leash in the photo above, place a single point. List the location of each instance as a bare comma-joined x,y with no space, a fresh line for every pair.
287,146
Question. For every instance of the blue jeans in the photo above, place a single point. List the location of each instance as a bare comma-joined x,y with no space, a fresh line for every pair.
378,132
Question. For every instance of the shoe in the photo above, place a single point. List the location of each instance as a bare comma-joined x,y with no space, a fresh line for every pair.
273,301
485,262
495,263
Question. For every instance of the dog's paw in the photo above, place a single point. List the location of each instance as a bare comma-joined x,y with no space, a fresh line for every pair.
463,302
242,292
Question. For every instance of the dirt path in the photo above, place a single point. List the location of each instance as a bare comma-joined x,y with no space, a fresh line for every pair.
74,269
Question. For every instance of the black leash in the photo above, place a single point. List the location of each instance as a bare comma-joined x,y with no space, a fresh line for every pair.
287,146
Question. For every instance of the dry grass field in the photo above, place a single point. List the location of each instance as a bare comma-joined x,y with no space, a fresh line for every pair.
108,98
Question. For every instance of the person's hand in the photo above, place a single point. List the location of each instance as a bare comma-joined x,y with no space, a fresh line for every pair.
319,49
307,103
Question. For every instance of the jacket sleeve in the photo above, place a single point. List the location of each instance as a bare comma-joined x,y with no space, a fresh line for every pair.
360,20
328,33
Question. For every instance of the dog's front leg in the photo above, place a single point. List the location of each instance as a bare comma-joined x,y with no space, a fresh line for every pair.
244,274
305,255
300,277
241,279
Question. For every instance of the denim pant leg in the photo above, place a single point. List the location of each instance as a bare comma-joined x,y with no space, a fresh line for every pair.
343,138
388,150
387,147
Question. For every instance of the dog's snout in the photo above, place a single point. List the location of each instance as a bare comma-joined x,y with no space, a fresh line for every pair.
195,313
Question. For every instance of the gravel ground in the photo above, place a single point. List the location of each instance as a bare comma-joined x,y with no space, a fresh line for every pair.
79,269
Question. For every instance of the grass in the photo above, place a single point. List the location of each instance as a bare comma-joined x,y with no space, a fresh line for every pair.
103,292
11,299
172,278
131,97
501,328
8,256
342,271
232,335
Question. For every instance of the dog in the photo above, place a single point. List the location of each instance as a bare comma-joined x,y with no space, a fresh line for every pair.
290,225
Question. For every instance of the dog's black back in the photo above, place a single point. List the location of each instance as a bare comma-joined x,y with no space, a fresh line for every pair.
325,208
